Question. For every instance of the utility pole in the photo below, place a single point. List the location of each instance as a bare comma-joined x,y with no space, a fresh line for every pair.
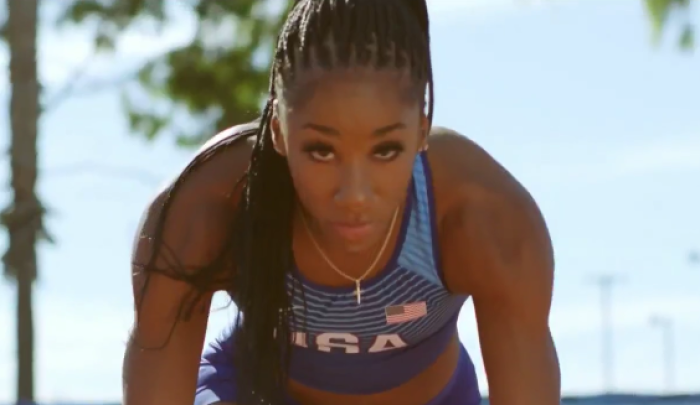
665,324
605,284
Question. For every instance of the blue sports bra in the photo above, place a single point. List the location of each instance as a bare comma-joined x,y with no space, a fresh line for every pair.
405,321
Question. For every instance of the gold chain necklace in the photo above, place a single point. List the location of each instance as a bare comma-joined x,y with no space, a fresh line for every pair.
357,281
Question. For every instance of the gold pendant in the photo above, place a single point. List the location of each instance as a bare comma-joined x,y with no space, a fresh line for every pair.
358,292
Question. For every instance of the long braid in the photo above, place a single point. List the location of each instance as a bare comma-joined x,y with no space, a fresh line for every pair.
318,33
262,248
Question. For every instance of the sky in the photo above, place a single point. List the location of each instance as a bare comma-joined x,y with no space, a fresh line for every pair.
570,96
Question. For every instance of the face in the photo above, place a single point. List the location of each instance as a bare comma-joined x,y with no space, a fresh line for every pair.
350,140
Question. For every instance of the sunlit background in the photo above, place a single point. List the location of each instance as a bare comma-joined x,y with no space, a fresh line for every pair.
573,97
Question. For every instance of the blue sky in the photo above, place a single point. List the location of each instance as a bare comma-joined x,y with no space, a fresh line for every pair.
569,95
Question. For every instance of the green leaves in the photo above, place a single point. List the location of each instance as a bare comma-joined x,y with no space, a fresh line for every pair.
660,11
215,81
81,10
113,16
687,40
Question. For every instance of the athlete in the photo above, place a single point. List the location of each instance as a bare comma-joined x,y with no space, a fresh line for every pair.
349,232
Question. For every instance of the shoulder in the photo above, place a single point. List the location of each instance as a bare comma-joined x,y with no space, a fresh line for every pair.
464,174
213,172
222,160
485,213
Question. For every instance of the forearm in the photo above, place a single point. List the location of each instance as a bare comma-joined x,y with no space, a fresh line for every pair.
530,376
158,377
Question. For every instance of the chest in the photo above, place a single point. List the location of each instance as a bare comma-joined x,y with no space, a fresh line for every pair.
397,310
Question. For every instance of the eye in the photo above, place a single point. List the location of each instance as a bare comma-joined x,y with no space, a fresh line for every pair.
388,151
319,151
322,156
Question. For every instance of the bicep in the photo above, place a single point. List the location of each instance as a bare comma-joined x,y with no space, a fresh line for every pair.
174,265
512,311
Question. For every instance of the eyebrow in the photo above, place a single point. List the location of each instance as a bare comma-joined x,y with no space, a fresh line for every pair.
379,132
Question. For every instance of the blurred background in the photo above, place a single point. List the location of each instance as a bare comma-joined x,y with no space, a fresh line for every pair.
593,104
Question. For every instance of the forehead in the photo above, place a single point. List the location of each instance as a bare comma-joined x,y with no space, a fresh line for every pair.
351,92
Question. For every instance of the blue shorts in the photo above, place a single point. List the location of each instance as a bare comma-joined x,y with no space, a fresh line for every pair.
217,380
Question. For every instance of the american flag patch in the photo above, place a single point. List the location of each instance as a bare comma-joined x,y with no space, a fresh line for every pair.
405,312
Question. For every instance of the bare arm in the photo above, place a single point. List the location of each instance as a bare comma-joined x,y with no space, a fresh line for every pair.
163,353
512,303
498,250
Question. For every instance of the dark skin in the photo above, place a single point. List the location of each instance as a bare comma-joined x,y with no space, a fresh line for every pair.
353,164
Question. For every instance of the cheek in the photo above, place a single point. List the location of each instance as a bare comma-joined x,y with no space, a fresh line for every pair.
393,179
314,183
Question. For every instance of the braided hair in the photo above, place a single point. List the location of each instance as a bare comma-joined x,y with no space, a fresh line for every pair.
321,34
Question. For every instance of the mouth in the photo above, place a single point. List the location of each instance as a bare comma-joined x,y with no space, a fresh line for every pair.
353,231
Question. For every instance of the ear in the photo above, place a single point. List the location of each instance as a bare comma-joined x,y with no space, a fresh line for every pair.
276,128
425,133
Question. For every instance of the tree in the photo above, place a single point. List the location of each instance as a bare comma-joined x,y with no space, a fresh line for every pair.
23,217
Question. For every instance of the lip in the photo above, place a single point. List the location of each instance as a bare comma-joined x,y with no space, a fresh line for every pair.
352,231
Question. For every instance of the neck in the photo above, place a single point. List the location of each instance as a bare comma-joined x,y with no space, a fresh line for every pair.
353,263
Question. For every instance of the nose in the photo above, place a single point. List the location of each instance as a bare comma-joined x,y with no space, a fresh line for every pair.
354,191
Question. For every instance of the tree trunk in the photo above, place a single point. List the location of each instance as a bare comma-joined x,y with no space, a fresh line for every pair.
25,340
24,216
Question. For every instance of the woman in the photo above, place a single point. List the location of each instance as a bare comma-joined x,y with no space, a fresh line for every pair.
349,234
